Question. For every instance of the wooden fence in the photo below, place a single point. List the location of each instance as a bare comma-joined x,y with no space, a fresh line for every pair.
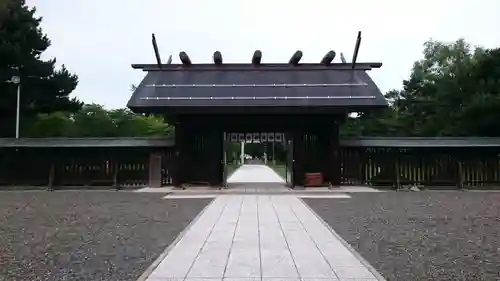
425,163
84,163
124,163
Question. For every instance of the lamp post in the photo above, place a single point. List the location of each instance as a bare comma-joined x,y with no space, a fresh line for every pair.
17,80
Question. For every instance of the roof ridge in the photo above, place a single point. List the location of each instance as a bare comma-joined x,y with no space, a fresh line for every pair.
259,67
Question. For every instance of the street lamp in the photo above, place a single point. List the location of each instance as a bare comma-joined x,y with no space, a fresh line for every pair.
17,80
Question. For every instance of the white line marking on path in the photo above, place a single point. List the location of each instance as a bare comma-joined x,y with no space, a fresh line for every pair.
189,196
336,196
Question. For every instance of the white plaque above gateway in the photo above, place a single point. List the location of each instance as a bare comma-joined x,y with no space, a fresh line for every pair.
256,137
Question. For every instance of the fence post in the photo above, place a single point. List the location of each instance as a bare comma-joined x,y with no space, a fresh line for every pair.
155,169
116,166
396,170
460,174
50,186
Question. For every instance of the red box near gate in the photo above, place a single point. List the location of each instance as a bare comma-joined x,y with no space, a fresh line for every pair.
314,179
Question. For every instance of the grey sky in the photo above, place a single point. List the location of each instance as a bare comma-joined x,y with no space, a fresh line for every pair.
99,39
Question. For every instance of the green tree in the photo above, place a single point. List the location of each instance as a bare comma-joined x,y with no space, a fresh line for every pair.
45,89
157,126
94,121
56,124
480,114
434,95
383,122
451,91
135,125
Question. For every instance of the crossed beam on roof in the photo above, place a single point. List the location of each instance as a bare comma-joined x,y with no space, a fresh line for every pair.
257,55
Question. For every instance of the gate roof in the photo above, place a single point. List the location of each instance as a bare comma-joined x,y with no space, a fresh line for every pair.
263,86
257,86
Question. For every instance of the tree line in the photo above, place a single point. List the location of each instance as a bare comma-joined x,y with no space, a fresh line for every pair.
46,108
452,91
92,120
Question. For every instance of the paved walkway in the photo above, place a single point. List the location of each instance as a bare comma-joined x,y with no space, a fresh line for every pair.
255,174
259,237
252,179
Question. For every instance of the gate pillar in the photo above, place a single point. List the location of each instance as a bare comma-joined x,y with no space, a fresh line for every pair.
334,156
179,154
298,158
155,169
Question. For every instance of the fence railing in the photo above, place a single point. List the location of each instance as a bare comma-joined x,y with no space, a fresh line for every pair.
78,167
124,163
471,167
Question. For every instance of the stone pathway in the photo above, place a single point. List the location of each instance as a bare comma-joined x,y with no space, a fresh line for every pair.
257,179
260,237
255,174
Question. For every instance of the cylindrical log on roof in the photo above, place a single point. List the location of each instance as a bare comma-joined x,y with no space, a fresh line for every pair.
217,57
328,58
184,58
295,59
257,57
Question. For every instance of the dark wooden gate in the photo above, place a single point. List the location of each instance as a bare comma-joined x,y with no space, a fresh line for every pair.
289,160
199,153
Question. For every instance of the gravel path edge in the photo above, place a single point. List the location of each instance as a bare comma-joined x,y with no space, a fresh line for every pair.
144,276
346,244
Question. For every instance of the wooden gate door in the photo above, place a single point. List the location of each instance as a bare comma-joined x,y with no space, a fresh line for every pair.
225,146
288,141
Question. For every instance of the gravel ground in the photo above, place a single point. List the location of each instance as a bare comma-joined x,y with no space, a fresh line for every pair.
421,235
87,235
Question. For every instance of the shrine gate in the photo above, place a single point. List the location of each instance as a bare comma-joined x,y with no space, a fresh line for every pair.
211,103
